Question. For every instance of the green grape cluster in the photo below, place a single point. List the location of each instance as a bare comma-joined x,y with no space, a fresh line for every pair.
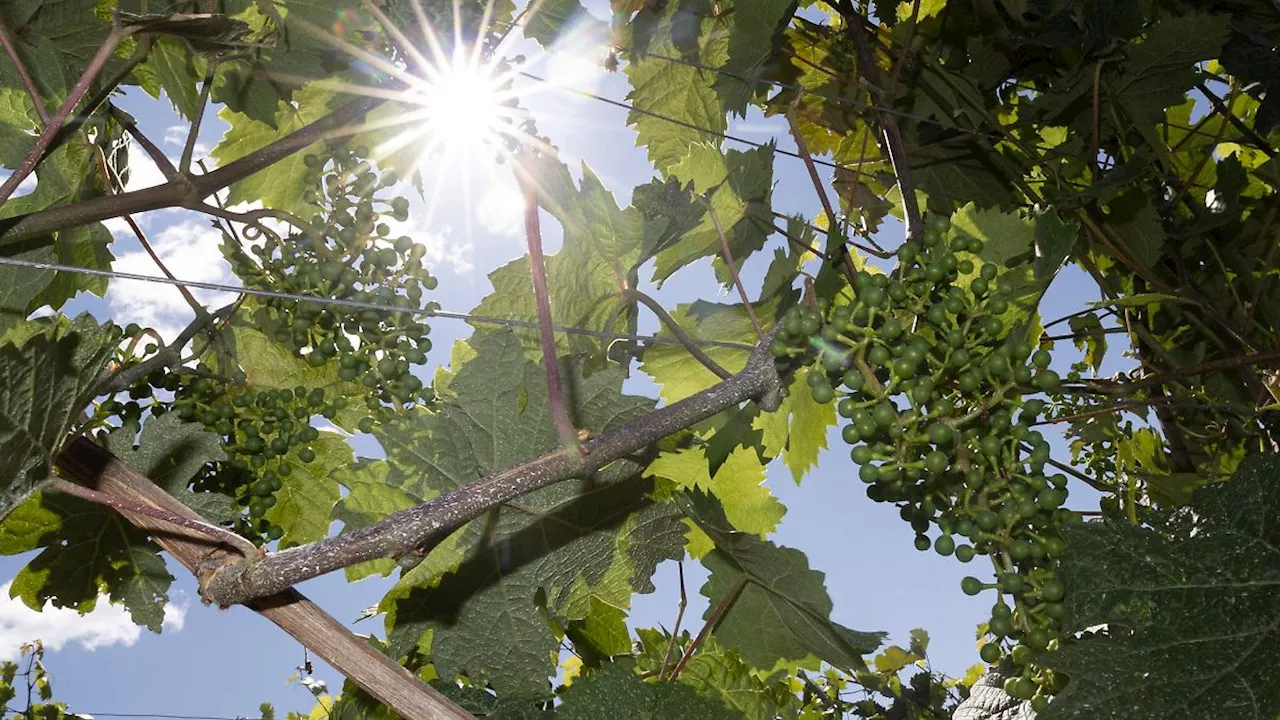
267,435
347,252
934,387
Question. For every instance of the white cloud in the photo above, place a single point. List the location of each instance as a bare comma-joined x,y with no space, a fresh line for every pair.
57,627
26,187
143,172
190,250
176,136
501,209
444,251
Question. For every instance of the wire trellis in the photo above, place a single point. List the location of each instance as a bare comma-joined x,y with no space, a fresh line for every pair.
362,305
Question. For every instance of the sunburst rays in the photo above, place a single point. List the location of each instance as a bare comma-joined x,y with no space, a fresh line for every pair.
458,114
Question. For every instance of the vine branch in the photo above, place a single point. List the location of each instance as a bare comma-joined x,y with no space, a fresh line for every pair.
420,528
188,191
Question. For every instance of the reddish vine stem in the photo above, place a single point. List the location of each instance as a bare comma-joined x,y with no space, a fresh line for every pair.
712,619
733,270
189,147
546,333
36,152
27,81
832,220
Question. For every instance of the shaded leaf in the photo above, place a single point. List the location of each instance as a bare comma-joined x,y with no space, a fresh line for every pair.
616,691
1190,605
782,613
737,187
563,549
171,452
45,383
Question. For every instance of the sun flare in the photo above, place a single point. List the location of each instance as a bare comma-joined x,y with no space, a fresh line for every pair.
463,105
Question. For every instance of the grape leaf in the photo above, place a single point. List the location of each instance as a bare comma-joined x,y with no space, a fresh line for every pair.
269,365
573,544
306,500
66,175
553,18
798,428
1191,607
18,126
781,615
171,452
178,72
616,691
88,551
604,630
738,185
678,373
755,33
368,499
738,483
1160,69
673,89
1136,224
282,184
1054,240
601,246
716,672
955,175
1005,236
45,383
669,212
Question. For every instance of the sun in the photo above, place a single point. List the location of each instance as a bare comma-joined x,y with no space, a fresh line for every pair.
464,105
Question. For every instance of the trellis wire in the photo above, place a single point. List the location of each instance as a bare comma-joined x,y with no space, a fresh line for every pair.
361,305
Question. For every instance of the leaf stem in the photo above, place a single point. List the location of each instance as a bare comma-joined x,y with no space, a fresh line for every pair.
6,39
675,632
678,332
712,619
189,147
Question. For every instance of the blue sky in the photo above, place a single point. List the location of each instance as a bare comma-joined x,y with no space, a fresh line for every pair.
220,663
